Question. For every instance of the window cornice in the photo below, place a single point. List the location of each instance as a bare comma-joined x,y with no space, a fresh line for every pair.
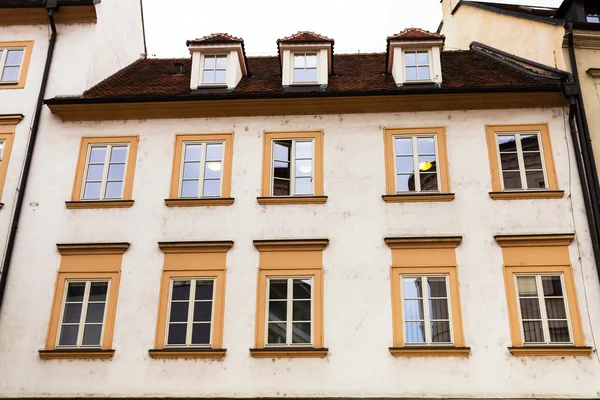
425,242
291,245
196,247
562,239
70,249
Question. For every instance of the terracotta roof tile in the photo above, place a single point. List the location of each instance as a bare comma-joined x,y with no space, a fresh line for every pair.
354,73
305,37
415,34
216,38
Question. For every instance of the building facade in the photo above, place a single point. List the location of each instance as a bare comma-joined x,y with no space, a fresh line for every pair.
307,224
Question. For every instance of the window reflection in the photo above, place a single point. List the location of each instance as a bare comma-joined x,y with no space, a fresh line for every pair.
416,164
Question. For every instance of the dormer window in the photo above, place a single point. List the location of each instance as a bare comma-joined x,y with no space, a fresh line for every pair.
214,70
305,67
417,66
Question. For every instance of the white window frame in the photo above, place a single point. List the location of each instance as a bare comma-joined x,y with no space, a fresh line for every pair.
429,60
292,167
3,64
82,317
191,305
416,169
426,313
106,164
204,56
289,316
293,66
543,312
202,168
521,161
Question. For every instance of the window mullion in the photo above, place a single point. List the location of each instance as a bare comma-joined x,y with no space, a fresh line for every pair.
543,312
201,172
84,306
288,339
426,316
104,182
521,161
190,319
415,151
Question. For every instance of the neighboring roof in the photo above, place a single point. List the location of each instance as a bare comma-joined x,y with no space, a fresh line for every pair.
355,73
415,34
42,3
215,38
305,37
534,13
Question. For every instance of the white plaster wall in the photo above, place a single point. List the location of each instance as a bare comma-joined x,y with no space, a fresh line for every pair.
358,326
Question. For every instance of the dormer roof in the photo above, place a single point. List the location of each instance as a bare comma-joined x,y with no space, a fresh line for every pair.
416,34
216,38
305,37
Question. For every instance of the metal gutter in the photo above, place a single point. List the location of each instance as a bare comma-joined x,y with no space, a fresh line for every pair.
42,4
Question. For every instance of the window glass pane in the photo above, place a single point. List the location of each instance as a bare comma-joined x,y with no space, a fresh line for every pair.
201,334
278,289
405,183
98,291
277,333
208,76
437,287
193,152
404,164
413,310
299,61
427,163
75,291
423,58
2,143
440,332
559,331
311,75
552,286
532,330
191,170
118,154
593,18
95,313
281,187
98,154
535,179
301,310
113,190
203,311
411,73
179,311
311,60
532,160
429,182
116,172
301,332
526,286
212,188
221,62
220,76
415,332
72,313
204,290
281,169
213,169
509,161
299,75
424,73
181,290
303,186
282,150
507,143
403,146
426,145
189,188
68,335
530,143
512,180
555,308
91,335
177,333
438,309
410,58
209,62
302,289
277,310
92,190
530,308
95,172
10,74
304,150
412,287
214,152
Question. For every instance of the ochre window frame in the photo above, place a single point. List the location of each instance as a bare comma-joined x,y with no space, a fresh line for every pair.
192,260
425,256
8,128
266,196
225,199
126,201
290,258
552,192
28,45
540,254
86,262
390,158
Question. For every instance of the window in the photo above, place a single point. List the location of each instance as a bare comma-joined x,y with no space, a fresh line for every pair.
305,68
293,167
426,312
14,63
84,306
214,70
83,313
416,165
521,162
593,18
425,297
8,127
191,302
105,172
417,66
201,170
542,310
190,312
289,311
289,318
541,296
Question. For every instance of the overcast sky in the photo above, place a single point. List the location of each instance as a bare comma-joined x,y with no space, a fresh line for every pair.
356,25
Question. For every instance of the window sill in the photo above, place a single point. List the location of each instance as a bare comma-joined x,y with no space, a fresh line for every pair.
550,351
430,351
74,205
540,194
201,202
418,197
289,352
292,200
187,353
76,354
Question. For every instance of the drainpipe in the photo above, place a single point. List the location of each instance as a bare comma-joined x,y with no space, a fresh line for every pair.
52,7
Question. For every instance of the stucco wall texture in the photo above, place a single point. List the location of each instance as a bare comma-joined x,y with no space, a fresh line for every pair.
357,302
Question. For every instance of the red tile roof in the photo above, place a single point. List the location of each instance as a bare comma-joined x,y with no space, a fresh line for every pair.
305,37
415,34
353,73
215,38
